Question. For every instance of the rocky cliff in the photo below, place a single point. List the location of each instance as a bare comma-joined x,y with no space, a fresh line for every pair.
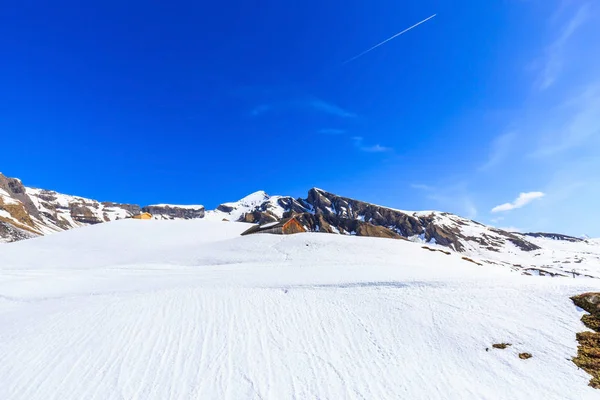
27,212
322,211
168,211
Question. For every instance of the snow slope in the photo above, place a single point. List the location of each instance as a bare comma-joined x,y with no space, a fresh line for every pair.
190,310
321,211
489,245
235,210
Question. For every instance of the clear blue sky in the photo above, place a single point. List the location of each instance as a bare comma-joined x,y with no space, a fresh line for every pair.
205,102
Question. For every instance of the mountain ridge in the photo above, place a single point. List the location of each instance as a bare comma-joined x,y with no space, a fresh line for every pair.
29,212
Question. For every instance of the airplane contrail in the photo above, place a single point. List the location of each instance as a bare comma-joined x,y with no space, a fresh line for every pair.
387,40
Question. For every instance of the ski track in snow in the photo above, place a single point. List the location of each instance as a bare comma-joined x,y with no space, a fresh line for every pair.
320,317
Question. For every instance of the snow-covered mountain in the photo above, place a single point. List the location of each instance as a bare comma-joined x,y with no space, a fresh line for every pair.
27,212
257,207
531,253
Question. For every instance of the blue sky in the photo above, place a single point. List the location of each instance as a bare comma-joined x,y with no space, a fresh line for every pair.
490,110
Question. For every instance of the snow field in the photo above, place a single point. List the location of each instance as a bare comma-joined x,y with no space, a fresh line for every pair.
191,310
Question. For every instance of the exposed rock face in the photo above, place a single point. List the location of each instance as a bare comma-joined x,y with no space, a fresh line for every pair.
175,212
326,212
15,189
133,209
10,233
28,212
60,212
590,302
555,236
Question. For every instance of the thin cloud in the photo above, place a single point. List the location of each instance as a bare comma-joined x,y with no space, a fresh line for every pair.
499,150
521,201
387,40
376,149
331,131
304,104
451,197
421,186
261,109
329,108
470,209
359,144
554,59
581,128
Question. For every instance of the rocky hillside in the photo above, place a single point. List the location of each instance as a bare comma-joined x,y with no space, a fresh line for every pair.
27,212
530,253
170,211
326,212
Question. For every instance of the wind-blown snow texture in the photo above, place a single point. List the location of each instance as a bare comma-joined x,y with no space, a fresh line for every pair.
191,310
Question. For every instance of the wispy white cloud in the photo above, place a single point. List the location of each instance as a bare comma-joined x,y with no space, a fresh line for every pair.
451,197
331,131
581,125
471,210
553,61
376,149
521,201
260,109
329,108
508,228
303,104
460,204
358,141
422,186
359,144
499,150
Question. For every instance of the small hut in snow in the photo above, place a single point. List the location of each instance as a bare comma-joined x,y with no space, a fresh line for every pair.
143,216
286,226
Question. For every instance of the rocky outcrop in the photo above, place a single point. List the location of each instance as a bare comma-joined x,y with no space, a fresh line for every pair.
165,211
27,212
554,236
322,211
132,209
15,189
60,212
10,233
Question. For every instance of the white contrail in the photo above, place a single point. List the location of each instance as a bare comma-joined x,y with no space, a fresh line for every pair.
388,39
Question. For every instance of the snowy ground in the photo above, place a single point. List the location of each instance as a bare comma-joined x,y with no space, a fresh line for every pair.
190,310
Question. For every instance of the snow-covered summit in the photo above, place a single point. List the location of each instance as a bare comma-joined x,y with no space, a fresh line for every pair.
272,207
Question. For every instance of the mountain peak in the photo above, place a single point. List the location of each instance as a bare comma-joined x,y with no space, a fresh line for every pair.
256,196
